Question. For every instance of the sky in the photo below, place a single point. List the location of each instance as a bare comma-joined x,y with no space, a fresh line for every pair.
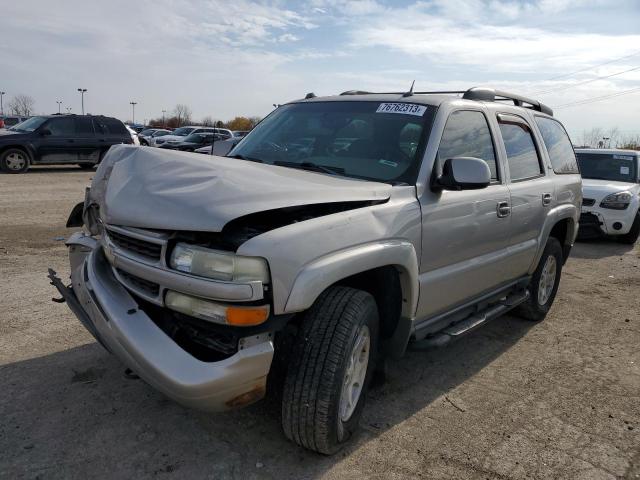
228,58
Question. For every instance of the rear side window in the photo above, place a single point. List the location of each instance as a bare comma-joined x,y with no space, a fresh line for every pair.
84,126
522,155
467,134
110,126
559,147
60,127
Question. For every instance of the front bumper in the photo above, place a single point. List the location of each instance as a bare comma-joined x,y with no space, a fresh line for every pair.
114,318
607,221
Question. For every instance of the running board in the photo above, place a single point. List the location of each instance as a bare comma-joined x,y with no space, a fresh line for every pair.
469,324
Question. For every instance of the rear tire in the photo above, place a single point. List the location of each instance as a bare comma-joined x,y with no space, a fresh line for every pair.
330,368
544,283
632,236
14,160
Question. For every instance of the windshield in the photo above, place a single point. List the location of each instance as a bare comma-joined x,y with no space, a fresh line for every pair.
160,133
29,125
182,131
608,166
360,139
148,131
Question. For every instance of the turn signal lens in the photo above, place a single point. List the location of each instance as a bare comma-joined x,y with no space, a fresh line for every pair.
217,312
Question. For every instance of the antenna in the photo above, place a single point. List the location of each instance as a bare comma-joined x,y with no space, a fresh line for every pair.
410,92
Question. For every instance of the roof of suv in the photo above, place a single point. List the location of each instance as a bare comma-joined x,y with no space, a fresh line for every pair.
434,98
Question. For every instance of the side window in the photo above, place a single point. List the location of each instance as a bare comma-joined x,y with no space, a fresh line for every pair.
467,134
115,126
61,127
84,126
563,158
522,155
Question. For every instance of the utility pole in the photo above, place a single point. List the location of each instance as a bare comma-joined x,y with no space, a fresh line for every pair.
163,124
82,92
1,108
59,104
133,112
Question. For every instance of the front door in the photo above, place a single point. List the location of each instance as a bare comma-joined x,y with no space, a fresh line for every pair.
464,233
58,144
86,141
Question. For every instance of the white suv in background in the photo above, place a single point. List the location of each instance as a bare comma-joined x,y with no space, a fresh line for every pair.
179,134
611,189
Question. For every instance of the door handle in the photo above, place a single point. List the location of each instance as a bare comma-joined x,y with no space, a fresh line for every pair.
546,199
503,209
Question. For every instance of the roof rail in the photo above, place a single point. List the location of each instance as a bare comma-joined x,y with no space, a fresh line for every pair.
490,95
480,94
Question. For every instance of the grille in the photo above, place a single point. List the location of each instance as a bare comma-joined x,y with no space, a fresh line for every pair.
140,247
139,283
588,202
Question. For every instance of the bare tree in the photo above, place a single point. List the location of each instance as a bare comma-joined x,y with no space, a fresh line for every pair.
592,137
254,121
21,105
614,136
182,113
208,121
630,142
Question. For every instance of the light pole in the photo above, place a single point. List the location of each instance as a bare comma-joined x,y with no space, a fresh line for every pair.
1,108
68,109
163,125
133,112
82,91
59,104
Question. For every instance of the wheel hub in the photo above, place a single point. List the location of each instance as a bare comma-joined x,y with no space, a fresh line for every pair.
355,373
547,280
15,161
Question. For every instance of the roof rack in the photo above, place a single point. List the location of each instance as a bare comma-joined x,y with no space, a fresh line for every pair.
480,94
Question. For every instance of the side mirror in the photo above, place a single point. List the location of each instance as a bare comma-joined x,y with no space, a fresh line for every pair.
464,173
45,132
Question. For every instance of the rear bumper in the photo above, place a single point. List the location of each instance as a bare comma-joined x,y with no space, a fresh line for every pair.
112,316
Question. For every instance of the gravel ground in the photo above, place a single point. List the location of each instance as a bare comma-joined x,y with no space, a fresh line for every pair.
559,399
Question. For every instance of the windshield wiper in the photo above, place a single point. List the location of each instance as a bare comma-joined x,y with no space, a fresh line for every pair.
244,157
313,167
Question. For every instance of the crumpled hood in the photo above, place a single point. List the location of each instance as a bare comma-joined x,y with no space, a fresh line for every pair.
598,189
163,189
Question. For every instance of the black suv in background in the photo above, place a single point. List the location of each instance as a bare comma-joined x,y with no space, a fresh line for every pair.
59,139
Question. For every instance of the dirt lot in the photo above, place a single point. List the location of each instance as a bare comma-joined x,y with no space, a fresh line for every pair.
560,399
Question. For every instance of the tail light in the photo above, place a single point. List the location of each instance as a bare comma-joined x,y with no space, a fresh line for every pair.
1,123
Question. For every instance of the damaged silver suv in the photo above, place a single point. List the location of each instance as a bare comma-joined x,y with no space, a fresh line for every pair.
340,232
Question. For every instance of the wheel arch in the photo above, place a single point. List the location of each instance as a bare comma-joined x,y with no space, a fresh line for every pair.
23,148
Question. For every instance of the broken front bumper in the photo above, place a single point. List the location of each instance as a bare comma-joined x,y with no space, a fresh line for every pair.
113,317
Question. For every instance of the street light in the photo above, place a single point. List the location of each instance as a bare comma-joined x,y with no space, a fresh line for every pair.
68,109
82,90
133,112
163,125
59,103
1,109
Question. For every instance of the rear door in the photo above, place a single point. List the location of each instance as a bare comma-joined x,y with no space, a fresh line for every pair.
86,140
59,145
464,233
532,190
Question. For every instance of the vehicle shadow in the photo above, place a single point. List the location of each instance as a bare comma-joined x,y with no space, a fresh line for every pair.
58,169
74,414
599,248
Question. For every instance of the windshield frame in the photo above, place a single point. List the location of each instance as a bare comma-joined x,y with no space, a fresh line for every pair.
408,176
609,157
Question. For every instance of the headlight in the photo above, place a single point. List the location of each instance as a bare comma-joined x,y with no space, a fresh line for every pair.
239,316
229,267
617,201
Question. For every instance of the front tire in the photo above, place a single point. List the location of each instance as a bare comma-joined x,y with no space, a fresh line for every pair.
330,368
14,160
544,283
632,235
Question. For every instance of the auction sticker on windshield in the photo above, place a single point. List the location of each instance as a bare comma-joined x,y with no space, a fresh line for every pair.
404,108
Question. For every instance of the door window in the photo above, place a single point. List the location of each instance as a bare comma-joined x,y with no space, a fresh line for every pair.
84,126
61,127
522,155
467,134
561,154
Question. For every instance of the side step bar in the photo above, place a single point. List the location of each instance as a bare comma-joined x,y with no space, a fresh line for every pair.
469,324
